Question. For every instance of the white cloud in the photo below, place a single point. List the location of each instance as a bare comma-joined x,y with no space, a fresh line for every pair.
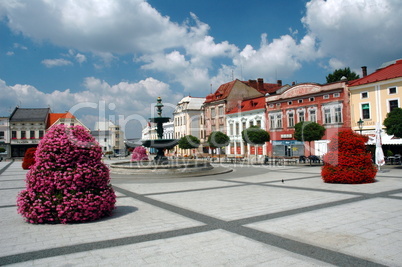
58,62
117,26
122,100
356,32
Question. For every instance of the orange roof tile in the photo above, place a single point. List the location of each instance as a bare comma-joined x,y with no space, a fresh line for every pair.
389,72
249,104
224,90
53,117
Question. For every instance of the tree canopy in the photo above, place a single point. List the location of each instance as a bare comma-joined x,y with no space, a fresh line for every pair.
308,131
189,142
254,135
339,73
393,122
218,139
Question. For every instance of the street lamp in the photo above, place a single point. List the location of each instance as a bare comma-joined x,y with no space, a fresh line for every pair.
360,123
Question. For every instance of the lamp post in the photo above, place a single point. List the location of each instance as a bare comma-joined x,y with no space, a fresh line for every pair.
360,124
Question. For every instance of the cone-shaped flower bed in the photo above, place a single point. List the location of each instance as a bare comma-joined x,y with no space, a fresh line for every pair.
68,182
348,160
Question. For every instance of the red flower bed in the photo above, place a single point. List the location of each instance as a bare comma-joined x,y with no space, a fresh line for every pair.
29,158
348,161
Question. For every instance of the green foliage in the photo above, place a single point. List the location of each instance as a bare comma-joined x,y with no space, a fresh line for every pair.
255,135
189,142
2,150
339,73
308,131
218,139
393,123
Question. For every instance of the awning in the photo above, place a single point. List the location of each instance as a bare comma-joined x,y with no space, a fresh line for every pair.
385,139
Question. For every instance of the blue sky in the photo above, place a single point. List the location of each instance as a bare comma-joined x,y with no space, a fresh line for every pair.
112,58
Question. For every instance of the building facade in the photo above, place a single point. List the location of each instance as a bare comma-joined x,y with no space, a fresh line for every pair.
227,97
110,137
67,119
5,138
373,97
187,119
248,113
326,104
27,128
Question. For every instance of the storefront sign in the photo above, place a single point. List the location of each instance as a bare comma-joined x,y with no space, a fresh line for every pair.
24,142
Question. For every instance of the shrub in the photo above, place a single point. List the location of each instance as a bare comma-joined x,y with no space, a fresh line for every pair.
68,182
29,158
348,161
139,153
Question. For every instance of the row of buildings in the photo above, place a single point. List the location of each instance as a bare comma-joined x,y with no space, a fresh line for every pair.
25,127
359,105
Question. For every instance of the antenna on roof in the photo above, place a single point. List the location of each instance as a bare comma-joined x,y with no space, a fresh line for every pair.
232,75
211,87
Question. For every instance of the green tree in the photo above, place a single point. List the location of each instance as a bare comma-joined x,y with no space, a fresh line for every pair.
218,140
254,135
339,73
393,123
189,142
307,131
2,150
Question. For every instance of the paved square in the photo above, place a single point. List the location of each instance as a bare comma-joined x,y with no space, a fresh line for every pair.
248,217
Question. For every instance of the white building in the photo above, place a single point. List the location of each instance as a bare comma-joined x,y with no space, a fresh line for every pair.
109,136
187,119
5,137
248,113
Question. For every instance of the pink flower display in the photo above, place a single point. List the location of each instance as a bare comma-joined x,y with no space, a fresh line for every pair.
139,153
68,182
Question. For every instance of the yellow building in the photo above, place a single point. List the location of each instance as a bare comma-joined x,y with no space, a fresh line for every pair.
373,97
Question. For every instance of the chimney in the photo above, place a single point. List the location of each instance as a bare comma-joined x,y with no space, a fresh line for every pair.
260,85
279,82
253,83
293,83
364,70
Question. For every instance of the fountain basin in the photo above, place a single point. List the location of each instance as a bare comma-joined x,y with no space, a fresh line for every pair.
164,167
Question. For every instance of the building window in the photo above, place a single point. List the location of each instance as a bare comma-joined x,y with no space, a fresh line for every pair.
259,123
32,134
291,119
366,111
243,125
311,99
13,134
338,114
312,115
251,123
327,115
337,94
290,103
1,134
326,96
40,134
220,110
276,120
300,114
393,104
392,90
231,129
364,95
300,101
23,134
213,114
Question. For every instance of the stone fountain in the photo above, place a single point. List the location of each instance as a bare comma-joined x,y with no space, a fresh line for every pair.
161,164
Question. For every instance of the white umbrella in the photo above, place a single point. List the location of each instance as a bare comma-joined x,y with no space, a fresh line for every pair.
379,154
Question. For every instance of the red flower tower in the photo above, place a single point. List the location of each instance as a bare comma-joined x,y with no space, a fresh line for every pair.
348,160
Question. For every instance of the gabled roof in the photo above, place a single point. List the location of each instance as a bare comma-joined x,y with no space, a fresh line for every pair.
389,72
54,117
224,90
248,105
29,114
